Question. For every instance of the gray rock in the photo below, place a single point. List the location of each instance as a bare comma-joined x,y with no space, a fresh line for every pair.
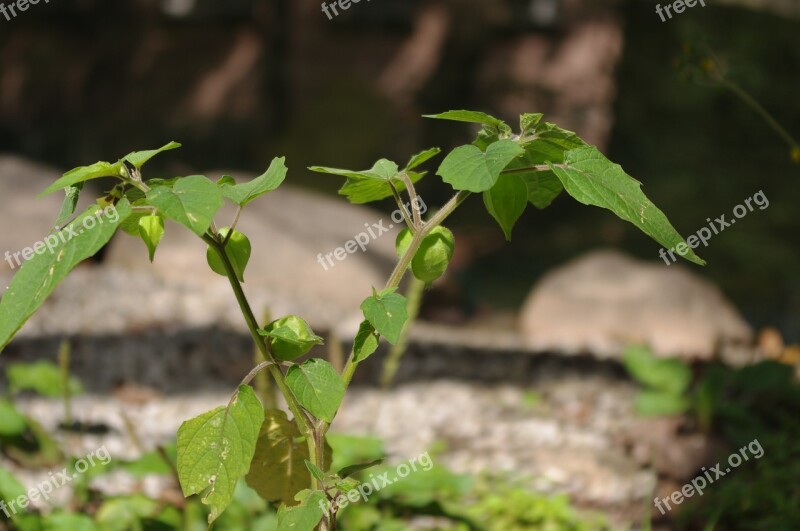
604,301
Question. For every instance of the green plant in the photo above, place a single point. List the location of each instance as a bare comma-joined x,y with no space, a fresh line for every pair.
241,439
666,382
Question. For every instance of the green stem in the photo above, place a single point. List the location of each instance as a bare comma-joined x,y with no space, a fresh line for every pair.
526,169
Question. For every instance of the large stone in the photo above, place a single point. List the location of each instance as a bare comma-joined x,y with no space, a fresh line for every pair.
604,301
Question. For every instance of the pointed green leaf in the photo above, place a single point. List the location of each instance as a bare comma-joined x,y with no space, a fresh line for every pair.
318,388
151,230
306,515
421,158
528,122
592,179
277,471
388,313
506,201
370,185
104,169
354,469
469,168
215,450
243,194
192,202
474,117
315,471
366,342
39,276
140,158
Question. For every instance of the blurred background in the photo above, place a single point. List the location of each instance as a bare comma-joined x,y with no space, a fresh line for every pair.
530,337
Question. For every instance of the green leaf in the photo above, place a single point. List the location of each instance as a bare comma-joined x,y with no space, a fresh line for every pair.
388,313
506,201
151,230
543,187
548,143
658,403
72,194
528,122
243,194
42,377
669,375
238,250
592,179
278,469
543,143
306,515
354,469
366,342
421,158
105,169
315,471
126,513
318,388
12,422
140,158
469,168
474,117
39,276
10,487
68,522
215,449
370,185
192,202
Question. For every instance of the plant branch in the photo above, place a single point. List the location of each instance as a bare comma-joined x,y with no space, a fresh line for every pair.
399,200
526,169
412,196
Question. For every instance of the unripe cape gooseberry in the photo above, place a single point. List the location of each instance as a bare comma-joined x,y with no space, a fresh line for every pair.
299,340
433,256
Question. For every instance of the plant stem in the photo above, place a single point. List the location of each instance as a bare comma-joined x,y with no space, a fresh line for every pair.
526,169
